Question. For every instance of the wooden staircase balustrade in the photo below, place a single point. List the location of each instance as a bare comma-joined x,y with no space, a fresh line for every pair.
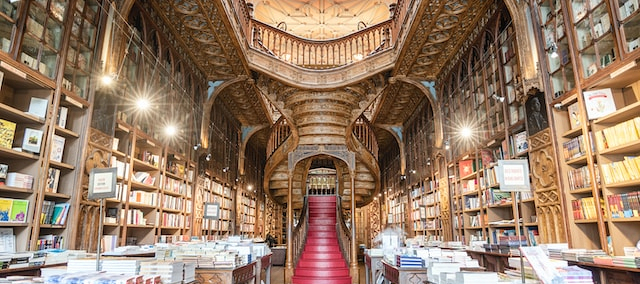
365,135
280,131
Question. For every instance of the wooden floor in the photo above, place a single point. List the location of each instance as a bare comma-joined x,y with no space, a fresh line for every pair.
277,274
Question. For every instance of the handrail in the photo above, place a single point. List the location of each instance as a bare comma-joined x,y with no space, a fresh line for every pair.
300,232
344,234
363,131
322,54
280,131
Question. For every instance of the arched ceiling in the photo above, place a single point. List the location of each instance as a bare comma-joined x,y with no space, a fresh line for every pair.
321,19
432,41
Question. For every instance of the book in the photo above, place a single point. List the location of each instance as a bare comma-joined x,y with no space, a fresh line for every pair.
53,177
4,170
19,210
466,167
7,132
574,115
57,148
5,209
599,103
38,107
62,116
522,145
32,140
60,211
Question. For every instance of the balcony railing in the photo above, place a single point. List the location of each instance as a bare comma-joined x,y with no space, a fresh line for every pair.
321,54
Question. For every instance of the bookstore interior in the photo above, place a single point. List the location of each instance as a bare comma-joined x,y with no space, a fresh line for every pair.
449,141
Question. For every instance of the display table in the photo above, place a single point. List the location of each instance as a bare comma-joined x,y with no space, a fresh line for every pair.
263,268
611,274
403,275
239,275
373,267
27,271
279,256
492,261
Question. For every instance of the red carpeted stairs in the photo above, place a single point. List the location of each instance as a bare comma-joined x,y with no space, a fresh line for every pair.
321,261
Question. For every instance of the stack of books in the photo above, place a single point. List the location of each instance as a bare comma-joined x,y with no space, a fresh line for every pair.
409,261
575,275
171,272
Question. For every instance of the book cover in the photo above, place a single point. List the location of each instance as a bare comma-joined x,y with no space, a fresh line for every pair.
53,177
62,117
38,107
5,209
57,148
32,140
522,145
574,115
599,103
19,210
7,132
60,211
466,167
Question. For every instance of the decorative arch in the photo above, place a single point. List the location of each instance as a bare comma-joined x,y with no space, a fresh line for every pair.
340,152
213,92
428,89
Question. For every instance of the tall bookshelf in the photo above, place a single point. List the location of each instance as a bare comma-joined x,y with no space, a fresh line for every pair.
247,210
216,192
602,38
55,121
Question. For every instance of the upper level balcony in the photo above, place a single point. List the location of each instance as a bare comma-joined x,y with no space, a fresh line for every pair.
299,59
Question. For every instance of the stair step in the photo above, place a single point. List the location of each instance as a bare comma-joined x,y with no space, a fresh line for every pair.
327,280
321,255
316,198
321,234
333,263
322,248
321,272
322,227
322,241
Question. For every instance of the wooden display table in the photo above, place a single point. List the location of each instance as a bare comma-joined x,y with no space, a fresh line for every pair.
372,266
263,268
27,271
492,261
403,275
239,275
603,274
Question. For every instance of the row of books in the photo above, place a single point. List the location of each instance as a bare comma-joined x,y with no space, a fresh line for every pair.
144,177
585,208
50,242
624,205
172,220
580,178
144,197
176,186
13,210
151,158
54,213
619,134
621,171
574,148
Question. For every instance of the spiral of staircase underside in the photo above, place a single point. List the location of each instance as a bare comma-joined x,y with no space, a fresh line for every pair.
322,124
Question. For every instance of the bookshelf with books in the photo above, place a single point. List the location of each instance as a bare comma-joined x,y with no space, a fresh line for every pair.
247,212
418,210
216,192
616,136
176,189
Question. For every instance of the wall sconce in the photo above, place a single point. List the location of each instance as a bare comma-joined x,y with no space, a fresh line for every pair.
428,161
225,169
553,50
196,147
500,99
446,144
208,157
412,171
403,177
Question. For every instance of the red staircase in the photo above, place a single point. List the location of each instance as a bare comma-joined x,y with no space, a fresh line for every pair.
321,262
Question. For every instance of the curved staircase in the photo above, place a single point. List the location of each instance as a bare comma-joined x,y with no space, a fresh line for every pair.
321,261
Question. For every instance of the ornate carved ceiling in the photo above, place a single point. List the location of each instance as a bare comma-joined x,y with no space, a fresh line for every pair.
439,31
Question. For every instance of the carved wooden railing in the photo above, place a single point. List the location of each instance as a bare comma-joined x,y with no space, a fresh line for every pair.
344,234
280,131
300,232
322,54
363,131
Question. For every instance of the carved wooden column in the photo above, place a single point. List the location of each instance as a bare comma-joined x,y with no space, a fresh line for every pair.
289,264
551,221
354,246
